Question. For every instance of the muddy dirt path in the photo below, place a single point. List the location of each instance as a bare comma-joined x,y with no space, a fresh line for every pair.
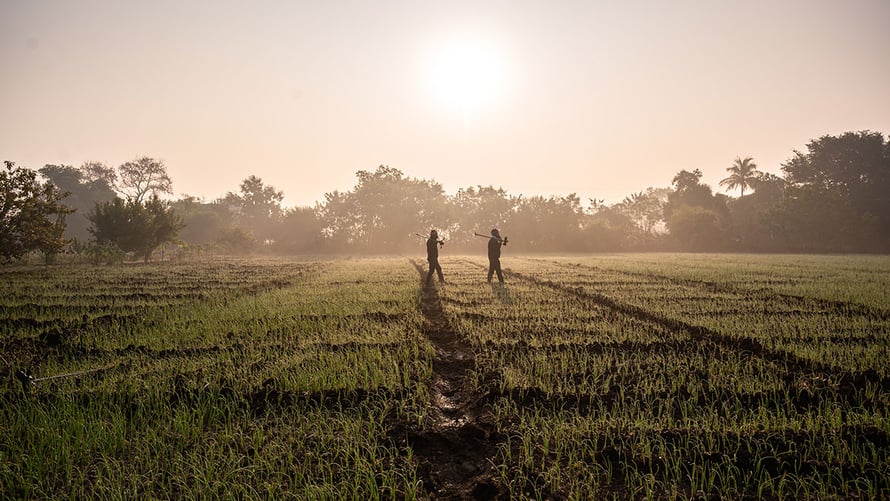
454,448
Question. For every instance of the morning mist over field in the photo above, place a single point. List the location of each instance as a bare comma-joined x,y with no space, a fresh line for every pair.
297,127
465,250
602,99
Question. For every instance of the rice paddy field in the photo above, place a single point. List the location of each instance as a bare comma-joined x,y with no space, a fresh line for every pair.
660,376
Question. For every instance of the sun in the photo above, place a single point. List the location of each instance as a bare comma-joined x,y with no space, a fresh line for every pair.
467,76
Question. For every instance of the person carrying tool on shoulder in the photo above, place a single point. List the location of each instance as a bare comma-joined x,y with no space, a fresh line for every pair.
432,255
494,255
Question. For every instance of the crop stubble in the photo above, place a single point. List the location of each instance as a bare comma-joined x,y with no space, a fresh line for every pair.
583,377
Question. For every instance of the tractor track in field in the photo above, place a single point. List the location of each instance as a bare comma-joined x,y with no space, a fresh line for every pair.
795,364
455,447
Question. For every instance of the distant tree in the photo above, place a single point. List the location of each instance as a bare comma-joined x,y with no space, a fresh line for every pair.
340,219
98,172
65,177
548,224
754,225
384,210
300,231
257,206
142,177
480,208
113,223
164,225
138,227
698,229
688,190
608,228
814,219
768,186
107,253
84,188
851,170
32,217
695,217
236,240
742,174
645,209
392,206
203,223
685,181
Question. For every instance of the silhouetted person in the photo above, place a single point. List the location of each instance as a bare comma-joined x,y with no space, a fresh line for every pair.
432,255
494,255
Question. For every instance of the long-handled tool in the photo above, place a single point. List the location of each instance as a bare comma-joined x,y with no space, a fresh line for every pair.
441,242
503,241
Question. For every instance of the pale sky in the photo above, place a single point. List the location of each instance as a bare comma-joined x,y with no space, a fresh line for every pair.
600,98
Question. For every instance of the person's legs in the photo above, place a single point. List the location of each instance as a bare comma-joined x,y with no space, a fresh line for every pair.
490,268
439,271
433,265
498,269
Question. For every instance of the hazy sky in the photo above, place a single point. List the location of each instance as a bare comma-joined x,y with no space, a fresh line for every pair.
601,98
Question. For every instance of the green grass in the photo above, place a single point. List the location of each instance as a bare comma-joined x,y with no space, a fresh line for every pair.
641,376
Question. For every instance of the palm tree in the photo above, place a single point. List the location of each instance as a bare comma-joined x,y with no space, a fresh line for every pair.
742,174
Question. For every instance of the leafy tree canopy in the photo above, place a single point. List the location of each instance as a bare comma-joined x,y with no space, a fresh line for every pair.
854,166
138,227
141,177
742,174
84,186
384,209
32,217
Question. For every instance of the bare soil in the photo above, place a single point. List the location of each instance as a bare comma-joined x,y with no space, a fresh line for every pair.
455,447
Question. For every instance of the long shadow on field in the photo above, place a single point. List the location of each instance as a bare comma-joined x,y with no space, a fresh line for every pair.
454,449
704,334
501,293
806,304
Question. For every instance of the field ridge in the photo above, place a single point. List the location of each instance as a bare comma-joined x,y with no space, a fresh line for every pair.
454,450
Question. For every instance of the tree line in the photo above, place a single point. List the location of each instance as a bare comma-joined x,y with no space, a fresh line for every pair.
833,197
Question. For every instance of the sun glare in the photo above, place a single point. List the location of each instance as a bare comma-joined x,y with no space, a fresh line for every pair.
467,77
